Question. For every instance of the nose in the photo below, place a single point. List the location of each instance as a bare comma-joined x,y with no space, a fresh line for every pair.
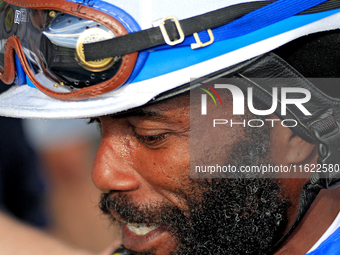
113,168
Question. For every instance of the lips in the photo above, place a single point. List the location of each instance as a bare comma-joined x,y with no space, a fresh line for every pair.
143,237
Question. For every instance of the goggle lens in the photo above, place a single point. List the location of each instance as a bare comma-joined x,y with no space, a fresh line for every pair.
52,42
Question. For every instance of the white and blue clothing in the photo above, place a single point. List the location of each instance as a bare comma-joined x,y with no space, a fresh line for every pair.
329,243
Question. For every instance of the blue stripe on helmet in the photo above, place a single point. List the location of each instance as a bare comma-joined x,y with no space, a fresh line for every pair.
168,60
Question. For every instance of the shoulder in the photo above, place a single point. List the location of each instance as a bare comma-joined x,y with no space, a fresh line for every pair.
330,246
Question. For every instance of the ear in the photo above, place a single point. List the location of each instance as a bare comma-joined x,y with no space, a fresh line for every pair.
288,148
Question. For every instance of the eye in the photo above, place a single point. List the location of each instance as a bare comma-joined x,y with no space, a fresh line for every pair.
151,140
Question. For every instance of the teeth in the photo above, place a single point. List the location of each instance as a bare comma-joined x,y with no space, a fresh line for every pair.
141,229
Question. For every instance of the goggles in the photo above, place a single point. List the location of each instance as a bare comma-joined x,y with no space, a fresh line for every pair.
73,51
48,41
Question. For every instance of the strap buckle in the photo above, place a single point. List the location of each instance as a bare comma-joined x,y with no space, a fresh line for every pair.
161,24
328,136
199,44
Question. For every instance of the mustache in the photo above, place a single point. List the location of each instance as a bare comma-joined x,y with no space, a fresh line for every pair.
122,207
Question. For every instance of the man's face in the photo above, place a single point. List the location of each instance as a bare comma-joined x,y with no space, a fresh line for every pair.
143,168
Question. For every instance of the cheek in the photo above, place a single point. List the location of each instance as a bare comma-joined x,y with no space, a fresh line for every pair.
213,146
166,168
211,143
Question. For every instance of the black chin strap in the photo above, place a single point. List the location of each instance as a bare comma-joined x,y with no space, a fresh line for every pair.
327,132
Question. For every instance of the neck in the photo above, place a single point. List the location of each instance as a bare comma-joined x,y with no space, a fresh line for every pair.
317,220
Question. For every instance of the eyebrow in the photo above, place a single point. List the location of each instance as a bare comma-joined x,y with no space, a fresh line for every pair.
141,113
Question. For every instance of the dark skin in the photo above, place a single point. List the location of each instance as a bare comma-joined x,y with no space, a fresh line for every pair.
145,155
289,148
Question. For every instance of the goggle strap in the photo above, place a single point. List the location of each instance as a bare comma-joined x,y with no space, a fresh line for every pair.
218,20
153,37
12,46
